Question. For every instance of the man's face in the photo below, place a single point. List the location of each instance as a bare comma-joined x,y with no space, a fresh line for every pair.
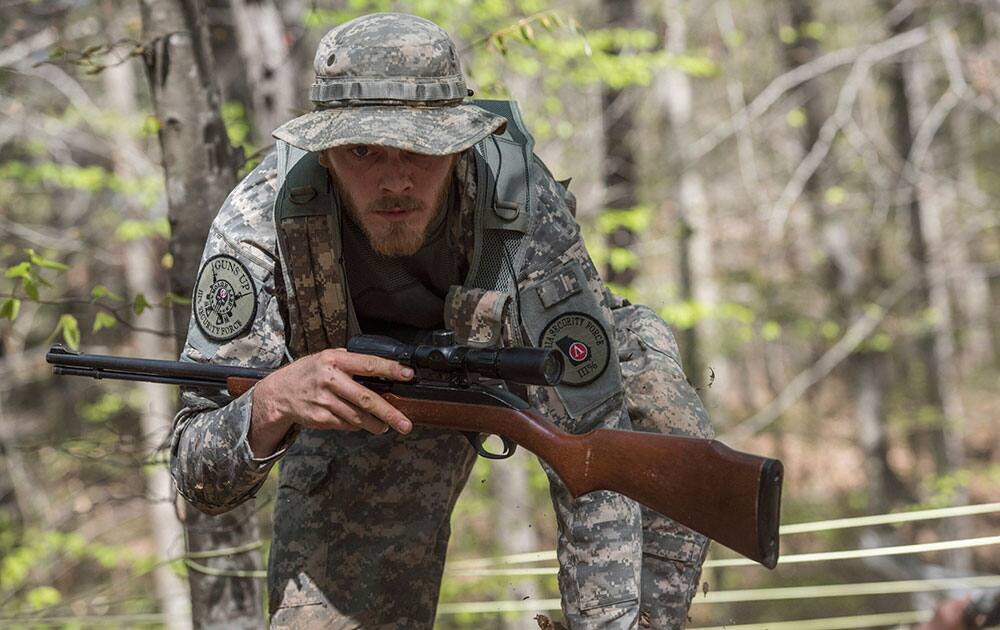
393,195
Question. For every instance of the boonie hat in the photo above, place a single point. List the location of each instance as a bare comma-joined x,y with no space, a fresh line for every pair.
389,79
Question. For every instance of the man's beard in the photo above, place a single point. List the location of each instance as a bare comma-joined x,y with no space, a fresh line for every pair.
394,238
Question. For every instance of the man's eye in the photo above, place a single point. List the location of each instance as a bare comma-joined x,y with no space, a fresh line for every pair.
360,152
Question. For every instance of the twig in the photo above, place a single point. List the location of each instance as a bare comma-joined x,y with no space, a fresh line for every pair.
845,105
15,53
855,335
792,79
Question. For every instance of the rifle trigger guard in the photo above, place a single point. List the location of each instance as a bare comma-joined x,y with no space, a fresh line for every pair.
477,440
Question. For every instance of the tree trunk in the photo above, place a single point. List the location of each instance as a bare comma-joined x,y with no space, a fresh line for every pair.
620,176
120,89
909,81
844,276
697,278
260,32
512,503
200,168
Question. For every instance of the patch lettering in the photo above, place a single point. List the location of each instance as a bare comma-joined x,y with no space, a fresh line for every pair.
225,299
584,344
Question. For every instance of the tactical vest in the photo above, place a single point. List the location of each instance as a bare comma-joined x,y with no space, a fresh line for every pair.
307,216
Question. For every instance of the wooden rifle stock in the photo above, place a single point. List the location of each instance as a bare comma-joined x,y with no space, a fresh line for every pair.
729,496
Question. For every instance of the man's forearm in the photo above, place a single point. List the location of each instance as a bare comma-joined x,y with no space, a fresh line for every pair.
211,462
266,430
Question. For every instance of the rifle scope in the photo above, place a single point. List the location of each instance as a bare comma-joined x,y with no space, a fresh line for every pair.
531,366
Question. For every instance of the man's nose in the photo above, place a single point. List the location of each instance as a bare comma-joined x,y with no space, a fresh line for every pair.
396,177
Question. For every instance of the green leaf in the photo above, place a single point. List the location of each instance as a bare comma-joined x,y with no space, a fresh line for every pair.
796,118
172,298
101,291
835,195
20,270
10,308
104,320
45,263
30,287
139,304
771,330
43,596
70,331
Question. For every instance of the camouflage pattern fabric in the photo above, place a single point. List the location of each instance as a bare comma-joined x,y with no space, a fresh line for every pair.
361,526
319,289
661,400
393,80
476,316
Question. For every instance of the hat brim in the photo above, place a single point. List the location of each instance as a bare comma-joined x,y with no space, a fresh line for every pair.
426,130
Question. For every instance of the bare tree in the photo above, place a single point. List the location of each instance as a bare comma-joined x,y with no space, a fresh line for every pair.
695,257
120,89
260,32
620,174
919,197
845,276
200,170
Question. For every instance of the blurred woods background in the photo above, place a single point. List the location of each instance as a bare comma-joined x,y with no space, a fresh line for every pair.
805,189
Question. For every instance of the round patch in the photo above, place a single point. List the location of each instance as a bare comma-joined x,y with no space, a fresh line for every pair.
225,299
584,344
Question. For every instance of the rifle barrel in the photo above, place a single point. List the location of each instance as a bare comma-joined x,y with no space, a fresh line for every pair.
65,361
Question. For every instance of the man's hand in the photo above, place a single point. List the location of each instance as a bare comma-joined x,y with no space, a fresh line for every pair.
318,392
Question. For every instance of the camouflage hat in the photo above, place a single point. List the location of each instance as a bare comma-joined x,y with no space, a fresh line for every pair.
389,79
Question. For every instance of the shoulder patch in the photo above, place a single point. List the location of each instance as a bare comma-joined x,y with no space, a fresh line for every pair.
583,342
225,299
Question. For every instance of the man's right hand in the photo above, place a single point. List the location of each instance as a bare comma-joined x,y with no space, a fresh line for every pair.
318,392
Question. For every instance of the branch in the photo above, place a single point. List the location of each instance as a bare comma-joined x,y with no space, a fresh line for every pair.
792,79
855,335
114,312
845,105
23,49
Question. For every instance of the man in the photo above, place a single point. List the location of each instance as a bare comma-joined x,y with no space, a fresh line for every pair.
398,207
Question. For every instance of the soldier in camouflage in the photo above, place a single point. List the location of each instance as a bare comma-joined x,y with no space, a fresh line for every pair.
394,240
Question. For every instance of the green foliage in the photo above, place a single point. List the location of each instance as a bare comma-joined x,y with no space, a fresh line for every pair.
796,118
169,299
102,320
942,490
42,597
100,291
92,179
139,304
234,116
29,274
26,557
133,230
107,406
835,195
636,220
621,259
10,308
70,329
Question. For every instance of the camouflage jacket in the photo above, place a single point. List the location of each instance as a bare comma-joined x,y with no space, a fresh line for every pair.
558,289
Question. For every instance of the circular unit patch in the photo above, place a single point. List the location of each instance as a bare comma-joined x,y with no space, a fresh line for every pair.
225,299
584,344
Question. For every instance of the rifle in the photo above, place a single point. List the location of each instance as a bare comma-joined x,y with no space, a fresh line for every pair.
731,497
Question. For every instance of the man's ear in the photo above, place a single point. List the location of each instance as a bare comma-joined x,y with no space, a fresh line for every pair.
323,160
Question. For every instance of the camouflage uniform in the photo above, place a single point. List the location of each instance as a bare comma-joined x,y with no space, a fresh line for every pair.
361,522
